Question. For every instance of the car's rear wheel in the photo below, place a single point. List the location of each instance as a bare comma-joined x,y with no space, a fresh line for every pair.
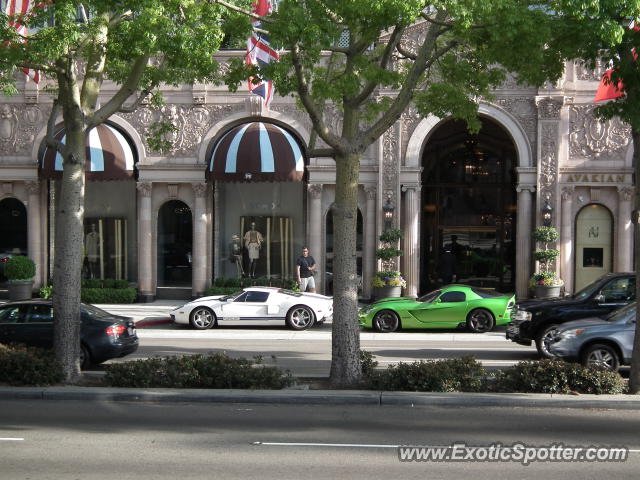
386,321
480,320
602,356
202,318
85,357
544,339
300,317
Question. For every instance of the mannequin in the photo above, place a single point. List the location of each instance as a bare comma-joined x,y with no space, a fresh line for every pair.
92,250
236,253
253,242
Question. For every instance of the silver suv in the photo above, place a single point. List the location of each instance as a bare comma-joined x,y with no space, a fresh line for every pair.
599,342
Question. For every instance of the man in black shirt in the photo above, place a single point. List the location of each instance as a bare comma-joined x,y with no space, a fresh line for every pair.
305,268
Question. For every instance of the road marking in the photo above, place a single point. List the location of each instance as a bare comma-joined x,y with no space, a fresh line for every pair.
11,439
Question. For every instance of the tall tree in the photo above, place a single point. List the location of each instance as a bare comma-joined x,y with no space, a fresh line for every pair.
355,59
610,36
136,45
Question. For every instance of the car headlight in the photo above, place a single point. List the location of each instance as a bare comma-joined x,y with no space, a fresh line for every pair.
365,310
574,332
522,316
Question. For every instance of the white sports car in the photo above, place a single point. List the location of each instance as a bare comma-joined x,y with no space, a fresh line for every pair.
256,306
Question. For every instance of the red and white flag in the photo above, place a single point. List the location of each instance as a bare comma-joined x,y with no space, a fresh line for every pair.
259,52
21,7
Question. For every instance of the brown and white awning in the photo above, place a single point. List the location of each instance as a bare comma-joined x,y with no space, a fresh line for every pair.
257,152
109,155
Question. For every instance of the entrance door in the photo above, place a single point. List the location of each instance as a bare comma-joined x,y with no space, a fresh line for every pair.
175,235
13,225
593,244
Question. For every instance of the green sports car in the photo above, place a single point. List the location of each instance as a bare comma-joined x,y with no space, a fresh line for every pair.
451,306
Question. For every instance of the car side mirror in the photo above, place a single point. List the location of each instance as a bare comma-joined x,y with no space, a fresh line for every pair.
599,298
437,300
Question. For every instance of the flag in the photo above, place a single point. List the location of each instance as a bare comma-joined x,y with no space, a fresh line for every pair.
259,52
607,90
21,7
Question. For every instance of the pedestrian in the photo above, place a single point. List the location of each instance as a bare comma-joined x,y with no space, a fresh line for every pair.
305,269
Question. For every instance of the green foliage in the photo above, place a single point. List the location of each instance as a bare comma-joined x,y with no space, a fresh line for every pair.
388,253
391,235
555,376
226,286
22,365
389,278
19,268
544,234
215,370
108,295
464,374
368,363
46,292
545,257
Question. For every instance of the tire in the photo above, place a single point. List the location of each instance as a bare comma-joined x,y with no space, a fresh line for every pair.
480,320
85,357
544,339
602,356
202,318
300,317
386,321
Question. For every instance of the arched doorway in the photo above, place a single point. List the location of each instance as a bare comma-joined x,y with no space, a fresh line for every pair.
175,236
329,249
13,223
469,207
594,233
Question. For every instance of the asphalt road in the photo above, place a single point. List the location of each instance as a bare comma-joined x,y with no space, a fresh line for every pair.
308,353
93,440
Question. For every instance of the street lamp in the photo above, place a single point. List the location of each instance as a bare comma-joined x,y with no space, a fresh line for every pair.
546,213
388,209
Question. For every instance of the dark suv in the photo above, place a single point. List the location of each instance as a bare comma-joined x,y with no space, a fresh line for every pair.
536,320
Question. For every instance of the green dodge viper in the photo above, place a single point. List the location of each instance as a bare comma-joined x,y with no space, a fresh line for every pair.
451,306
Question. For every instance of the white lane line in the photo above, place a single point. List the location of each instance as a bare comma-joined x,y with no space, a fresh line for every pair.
11,439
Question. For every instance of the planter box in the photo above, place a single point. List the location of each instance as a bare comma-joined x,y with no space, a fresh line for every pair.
546,291
386,292
20,289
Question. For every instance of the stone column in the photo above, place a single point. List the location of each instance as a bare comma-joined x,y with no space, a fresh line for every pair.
34,231
368,255
145,243
411,257
566,239
315,231
624,253
200,258
523,239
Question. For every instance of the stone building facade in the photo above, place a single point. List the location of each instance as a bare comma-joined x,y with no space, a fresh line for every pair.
172,221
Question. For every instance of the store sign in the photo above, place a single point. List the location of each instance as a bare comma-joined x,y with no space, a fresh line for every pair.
596,178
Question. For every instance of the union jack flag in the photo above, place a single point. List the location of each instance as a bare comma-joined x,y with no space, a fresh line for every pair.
259,52
21,7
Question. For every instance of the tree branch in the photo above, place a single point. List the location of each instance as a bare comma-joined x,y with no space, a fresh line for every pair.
235,8
322,152
50,139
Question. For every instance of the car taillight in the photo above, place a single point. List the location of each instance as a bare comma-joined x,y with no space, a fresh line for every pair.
116,330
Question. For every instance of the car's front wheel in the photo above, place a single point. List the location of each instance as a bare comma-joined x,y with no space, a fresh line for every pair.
480,321
544,339
202,318
386,321
602,356
300,317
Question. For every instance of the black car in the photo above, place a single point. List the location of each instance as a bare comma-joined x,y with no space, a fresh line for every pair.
536,320
102,335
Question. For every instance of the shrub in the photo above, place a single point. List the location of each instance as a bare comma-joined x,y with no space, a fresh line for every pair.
46,292
108,295
215,370
368,363
92,283
22,365
19,268
555,376
388,278
464,374
214,290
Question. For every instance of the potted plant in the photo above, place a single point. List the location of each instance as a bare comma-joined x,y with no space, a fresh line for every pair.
546,283
388,282
20,271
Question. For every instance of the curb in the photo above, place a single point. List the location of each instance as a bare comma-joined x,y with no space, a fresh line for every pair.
323,397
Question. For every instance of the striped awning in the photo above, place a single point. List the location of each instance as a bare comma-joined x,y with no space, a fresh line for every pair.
109,155
257,152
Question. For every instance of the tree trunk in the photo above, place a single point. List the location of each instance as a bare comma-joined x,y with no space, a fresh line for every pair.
634,376
345,339
68,256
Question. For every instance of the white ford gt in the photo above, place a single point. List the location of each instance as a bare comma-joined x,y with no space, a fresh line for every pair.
256,306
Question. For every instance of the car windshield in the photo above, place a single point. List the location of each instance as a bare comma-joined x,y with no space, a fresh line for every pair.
429,297
588,290
95,312
626,313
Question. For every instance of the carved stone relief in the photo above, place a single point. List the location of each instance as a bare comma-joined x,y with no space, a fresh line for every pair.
19,125
390,164
548,171
583,72
591,138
